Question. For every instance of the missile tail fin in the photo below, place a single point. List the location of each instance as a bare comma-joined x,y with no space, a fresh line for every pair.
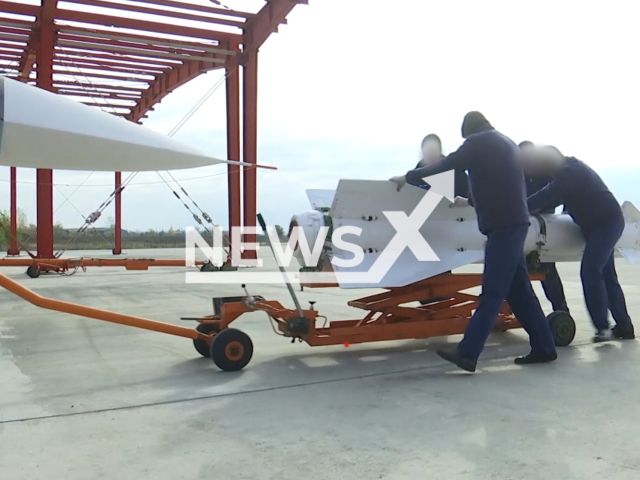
631,255
630,212
632,219
320,199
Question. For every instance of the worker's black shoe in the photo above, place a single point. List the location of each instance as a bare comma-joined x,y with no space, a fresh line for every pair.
603,336
455,358
536,358
623,333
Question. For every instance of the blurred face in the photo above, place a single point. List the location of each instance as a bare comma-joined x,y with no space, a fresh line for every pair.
431,151
529,161
528,148
540,162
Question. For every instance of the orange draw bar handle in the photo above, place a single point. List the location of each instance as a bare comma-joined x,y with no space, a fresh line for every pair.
95,313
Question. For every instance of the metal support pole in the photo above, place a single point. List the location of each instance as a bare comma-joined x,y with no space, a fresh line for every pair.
250,147
44,56
117,234
233,148
13,233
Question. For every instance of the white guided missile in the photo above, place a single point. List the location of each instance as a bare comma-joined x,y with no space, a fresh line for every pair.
40,129
451,233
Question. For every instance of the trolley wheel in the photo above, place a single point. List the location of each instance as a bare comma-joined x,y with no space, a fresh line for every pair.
563,328
231,349
208,267
200,345
33,271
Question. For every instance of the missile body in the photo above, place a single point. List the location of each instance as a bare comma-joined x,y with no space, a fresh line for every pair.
40,129
452,233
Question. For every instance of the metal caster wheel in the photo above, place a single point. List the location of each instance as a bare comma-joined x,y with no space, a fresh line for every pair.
231,350
33,271
563,328
201,346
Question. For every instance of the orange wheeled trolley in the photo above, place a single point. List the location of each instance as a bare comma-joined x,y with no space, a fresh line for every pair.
394,314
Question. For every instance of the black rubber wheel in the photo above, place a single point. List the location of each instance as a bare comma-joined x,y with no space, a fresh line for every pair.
208,267
201,347
231,350
33,271
563,328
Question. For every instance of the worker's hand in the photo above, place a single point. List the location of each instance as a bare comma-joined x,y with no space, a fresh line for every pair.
401,180
459,202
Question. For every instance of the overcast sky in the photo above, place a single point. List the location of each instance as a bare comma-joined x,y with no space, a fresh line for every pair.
348,89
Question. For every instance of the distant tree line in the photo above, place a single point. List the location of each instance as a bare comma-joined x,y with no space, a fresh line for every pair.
97,238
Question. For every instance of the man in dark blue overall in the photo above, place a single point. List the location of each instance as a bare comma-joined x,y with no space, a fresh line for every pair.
498,193
431,153
596,211
552,285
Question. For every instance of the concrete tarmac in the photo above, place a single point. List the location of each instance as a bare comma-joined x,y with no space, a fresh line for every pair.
82,399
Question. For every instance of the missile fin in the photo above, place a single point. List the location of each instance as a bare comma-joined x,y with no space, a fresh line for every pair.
631,255
630,212
320,198
363,203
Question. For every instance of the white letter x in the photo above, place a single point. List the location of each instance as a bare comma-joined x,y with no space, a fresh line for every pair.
407,229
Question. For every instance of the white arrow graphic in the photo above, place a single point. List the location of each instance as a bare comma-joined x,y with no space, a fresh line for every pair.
443,184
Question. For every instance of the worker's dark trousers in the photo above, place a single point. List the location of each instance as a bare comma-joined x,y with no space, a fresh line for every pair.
600,284
505,277
553,289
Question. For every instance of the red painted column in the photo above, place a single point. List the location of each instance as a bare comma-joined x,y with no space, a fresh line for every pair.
117,234
44,189
233,148
250,146
13,246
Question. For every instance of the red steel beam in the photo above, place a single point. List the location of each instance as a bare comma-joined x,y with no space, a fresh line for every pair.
250,147
7,56
45,177
117,248
266,22
80,85
96,94
179,47
105,67
233,149
200,8
11,47
19,9
141,51
13,231
167,83
26,33
154,11
133,60
147,26
138,38
107,76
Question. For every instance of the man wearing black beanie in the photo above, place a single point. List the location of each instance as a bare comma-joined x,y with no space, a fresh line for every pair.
498,192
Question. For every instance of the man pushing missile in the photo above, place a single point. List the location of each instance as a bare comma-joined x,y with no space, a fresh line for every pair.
431,153
431,147
498,192
599,215
552,285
